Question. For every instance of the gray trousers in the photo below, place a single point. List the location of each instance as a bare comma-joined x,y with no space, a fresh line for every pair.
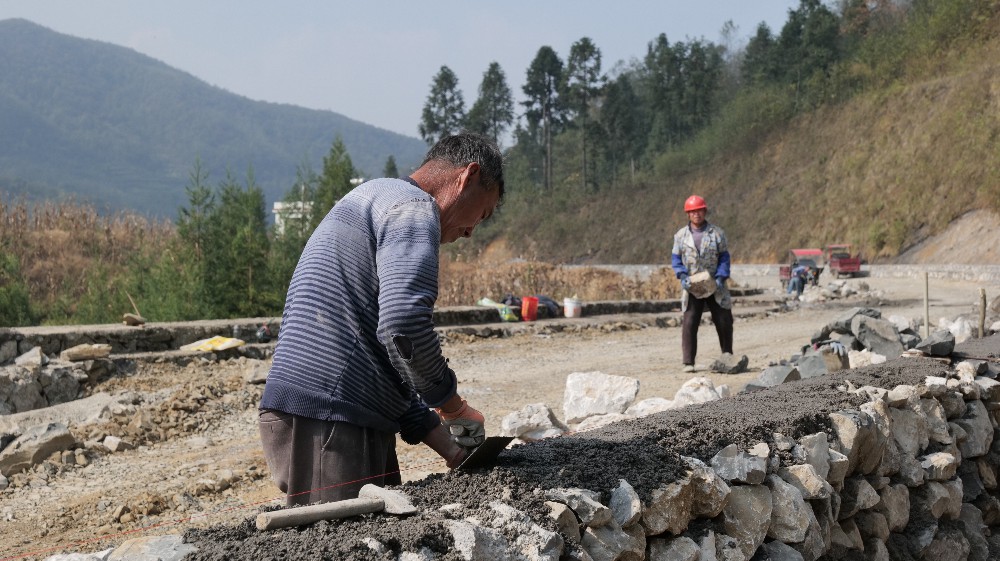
325,461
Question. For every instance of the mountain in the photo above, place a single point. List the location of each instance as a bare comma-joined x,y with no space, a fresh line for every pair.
114,127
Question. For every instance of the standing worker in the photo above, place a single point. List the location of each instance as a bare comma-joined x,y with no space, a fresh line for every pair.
357,358
701,246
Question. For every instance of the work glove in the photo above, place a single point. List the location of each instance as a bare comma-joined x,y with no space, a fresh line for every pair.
838,348
465,425
439,440
720,282
685,282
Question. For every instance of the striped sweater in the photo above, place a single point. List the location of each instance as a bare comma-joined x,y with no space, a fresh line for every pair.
357,341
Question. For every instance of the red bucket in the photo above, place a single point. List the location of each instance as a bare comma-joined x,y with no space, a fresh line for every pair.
529,308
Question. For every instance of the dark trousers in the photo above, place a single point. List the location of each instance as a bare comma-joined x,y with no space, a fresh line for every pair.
325,461
721,317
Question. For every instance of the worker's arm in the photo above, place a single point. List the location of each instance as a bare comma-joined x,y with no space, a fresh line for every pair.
678,265
407,260
722,271
676,259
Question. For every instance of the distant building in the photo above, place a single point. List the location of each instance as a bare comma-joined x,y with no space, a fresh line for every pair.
297,210
284,212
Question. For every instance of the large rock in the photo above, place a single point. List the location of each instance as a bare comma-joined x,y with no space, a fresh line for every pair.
729,363
860,439
534,421
709,491
544,545
814,449
696,390
939,343
152,548
625,505
669,508
747,516
596,393
774,375
979,430
807,481
85,352
842,325
789,513
877,335
910,431
584,502
778,551
894,505
733,464
613,543
702,285
857,495
939,466
811,366
649,406
36,444
677,549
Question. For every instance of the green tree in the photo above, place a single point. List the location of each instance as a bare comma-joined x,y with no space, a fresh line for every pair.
622,122
194,227
583,72
194,223
543,106
760,63
238,276
662,90
493,112
390,169
334,182
808,43
444,110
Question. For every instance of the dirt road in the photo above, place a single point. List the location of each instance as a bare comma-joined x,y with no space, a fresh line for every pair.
199,462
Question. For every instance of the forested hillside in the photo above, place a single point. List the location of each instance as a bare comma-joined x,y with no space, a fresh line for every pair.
875,124
868,123
121,130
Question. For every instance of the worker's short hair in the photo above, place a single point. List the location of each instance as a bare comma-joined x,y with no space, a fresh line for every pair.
467,147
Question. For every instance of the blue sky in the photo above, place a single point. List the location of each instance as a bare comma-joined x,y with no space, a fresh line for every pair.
373,61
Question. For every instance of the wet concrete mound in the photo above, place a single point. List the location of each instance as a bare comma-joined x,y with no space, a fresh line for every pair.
896,460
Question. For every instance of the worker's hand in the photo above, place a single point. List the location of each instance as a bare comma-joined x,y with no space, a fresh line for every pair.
685,282
838,348
720,282
465,425
439,440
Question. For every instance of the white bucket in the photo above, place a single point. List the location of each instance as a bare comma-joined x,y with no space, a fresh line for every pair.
572,307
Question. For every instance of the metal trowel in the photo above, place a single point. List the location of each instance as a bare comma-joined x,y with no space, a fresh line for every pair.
485,454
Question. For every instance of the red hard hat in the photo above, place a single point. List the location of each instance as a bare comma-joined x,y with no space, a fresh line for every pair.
694,202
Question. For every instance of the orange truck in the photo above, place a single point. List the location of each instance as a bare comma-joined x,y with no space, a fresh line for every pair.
839,260
812,258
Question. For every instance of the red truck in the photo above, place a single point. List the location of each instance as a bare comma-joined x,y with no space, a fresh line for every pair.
812,258
839,260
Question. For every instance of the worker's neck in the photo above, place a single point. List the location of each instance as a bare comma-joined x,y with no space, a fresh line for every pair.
699,228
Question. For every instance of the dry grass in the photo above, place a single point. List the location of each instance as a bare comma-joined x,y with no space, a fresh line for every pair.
462,283
58,244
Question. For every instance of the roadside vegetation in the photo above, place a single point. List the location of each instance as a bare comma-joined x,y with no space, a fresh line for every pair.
874,124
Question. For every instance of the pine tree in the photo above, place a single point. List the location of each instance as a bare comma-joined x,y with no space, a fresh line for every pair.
444,110
544,107
390,169
493,112
583,70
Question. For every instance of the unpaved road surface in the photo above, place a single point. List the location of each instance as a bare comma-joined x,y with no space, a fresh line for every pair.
199,463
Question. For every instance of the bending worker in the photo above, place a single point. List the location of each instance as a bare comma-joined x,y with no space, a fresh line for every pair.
701,246
357,358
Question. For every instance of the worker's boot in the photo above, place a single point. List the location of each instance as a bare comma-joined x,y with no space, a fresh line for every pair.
688,368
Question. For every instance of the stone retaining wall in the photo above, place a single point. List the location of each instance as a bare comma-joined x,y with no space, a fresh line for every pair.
909,474
160,337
